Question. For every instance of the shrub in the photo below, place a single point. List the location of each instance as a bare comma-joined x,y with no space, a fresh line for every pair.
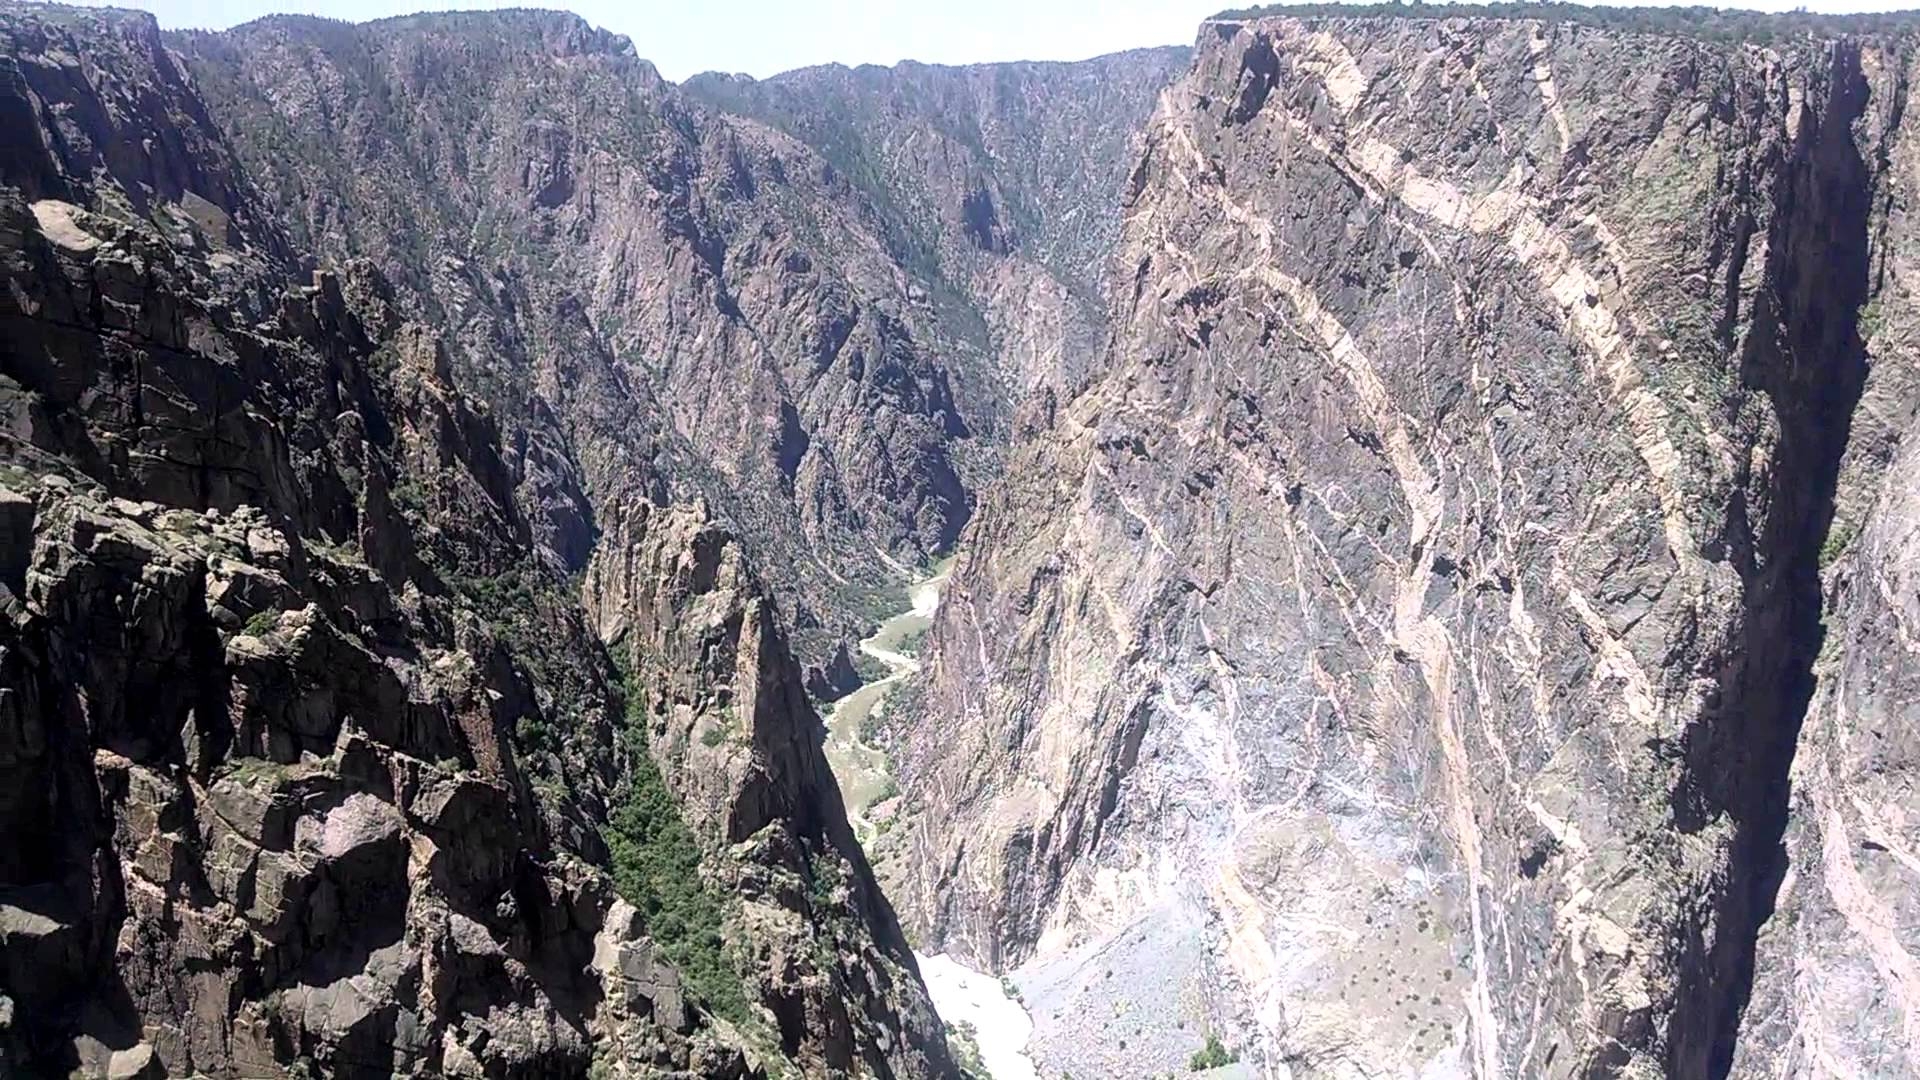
532,735
1212,1056
870,668
963,1044
409,495
1839,535
913,641
877,603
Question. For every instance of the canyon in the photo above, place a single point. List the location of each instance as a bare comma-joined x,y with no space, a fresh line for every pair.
1380,544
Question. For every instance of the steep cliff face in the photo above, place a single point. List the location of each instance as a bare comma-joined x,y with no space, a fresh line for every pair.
1404,642
998,183
1833,983
721,703
1443,605
825,372
313,758
597,244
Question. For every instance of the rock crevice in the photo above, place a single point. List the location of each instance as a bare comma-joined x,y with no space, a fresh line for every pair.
1803,349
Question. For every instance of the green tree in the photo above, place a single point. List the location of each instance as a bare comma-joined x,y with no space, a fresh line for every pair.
656,868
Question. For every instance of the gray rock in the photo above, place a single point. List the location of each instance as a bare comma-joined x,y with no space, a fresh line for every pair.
136,1062
16,539
306,740
1428,583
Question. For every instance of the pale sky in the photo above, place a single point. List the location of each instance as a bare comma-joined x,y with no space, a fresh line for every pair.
762,37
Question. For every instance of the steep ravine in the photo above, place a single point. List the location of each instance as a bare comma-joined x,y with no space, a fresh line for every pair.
1833,973
864,776
1804,350
1439,589
764,295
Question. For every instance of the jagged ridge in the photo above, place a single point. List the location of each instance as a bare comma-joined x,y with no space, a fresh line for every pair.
328,736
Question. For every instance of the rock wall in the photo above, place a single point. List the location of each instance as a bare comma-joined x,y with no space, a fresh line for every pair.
1833,974
793,335
1404,641
314,760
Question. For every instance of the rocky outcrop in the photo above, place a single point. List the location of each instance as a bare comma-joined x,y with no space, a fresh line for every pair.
726,717
313,760
1402,646
291,824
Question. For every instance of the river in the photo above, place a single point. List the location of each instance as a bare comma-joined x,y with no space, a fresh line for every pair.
960,994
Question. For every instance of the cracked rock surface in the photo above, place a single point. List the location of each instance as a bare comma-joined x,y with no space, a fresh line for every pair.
319,737
1436,528
1405,637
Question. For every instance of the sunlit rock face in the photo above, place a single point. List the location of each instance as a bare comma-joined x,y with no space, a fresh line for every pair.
1435,512
1399,650
324,728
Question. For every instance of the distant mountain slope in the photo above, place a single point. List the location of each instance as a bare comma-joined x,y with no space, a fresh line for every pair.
1001,180
657,294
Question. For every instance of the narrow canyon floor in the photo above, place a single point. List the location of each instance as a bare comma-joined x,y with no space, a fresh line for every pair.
965,998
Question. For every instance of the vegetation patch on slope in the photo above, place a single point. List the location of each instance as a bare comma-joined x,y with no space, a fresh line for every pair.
1214,1055
656,868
